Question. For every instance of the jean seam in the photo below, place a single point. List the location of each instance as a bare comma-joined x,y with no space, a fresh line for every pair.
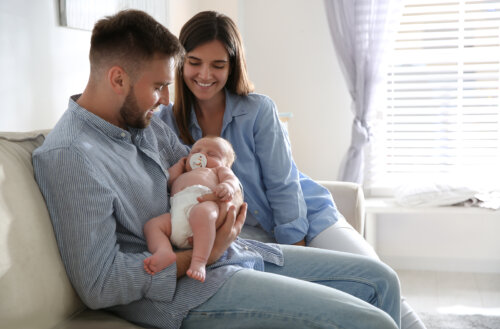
350,279
283,315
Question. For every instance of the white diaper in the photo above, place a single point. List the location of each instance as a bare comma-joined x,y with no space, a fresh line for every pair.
181,205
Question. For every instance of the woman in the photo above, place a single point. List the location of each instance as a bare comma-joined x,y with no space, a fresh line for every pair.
213,96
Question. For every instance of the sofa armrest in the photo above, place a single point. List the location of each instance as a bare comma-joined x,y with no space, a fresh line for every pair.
350,201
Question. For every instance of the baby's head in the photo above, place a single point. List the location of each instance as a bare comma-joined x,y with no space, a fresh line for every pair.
211,152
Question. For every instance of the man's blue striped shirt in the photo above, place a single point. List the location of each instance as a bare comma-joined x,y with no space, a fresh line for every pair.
101,184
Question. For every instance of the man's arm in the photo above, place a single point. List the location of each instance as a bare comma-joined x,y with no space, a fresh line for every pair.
82,212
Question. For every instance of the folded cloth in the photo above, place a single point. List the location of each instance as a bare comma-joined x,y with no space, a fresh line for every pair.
488,200
433,194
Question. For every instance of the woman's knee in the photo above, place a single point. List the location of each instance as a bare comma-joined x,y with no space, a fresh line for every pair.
388,277
341,236
388,291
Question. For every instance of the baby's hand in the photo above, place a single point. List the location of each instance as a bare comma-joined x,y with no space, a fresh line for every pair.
224,192
182,163
178,168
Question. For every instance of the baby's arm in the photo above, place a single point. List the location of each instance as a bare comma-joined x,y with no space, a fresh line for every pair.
176,170
228,184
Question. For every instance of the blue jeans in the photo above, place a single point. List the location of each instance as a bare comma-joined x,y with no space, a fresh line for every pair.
300,295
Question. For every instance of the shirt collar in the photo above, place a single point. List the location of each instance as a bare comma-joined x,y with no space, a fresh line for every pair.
232,110
232,105
107,128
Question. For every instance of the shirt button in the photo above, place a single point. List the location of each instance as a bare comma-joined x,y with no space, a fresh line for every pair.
123,135
246,248
256,212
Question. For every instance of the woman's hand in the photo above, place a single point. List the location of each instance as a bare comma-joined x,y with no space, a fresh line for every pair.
300,243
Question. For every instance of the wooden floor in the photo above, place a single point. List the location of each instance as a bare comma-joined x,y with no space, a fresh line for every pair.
451,293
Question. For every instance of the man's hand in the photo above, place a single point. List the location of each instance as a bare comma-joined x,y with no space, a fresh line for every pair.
228,231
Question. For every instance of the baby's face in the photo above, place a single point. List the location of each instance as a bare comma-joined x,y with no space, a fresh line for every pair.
214,151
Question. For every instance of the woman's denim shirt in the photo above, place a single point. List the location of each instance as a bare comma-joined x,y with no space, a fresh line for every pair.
284,201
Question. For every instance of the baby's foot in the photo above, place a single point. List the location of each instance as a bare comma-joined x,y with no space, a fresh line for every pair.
197,273
158,261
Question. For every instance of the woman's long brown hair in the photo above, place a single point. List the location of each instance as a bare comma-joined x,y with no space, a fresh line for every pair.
204,27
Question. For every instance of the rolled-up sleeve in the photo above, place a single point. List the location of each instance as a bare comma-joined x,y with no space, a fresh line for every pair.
280,176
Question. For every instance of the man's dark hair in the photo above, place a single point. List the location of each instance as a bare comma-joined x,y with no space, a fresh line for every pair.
128,39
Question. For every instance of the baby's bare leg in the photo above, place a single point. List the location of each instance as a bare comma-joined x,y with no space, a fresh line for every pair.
202,221
157,232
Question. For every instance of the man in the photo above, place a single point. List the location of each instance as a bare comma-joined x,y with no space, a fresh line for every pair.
103,173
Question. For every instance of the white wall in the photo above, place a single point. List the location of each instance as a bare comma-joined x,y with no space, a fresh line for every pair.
41,63
182,10
290,58
442,242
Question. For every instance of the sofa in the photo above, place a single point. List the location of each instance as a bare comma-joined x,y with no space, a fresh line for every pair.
35,291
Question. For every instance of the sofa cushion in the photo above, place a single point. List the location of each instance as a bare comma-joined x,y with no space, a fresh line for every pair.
89,319
36,292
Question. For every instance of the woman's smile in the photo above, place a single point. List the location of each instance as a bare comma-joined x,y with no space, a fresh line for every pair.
206,70
204,85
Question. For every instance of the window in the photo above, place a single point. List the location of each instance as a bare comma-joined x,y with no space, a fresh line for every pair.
83,14
442,116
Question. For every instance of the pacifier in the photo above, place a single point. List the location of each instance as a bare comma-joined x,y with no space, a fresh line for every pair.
198,160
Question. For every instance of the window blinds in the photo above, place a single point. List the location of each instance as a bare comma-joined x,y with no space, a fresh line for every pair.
442,113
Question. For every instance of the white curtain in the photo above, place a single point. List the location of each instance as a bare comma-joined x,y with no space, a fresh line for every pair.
362,31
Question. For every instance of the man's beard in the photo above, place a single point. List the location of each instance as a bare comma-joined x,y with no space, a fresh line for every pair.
131,114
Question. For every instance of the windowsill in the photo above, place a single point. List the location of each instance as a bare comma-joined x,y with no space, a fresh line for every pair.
384,206
375,206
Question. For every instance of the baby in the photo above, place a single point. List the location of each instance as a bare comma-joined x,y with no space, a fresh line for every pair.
206,170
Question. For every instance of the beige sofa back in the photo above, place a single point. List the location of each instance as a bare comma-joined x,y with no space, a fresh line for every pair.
34,289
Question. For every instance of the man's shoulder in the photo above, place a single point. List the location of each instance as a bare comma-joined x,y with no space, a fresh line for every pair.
63,135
